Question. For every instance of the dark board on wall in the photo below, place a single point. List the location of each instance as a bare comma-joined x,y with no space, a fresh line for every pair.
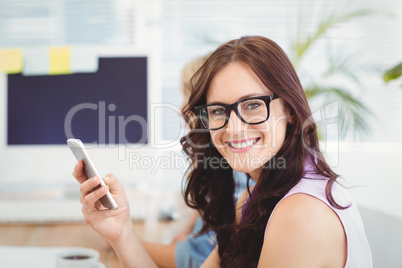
106,107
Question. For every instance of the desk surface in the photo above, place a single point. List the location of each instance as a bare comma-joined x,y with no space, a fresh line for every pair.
80,235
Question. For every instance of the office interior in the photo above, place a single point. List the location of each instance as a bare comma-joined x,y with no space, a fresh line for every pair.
108,72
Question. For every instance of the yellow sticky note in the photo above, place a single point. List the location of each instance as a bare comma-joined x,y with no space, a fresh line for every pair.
59,59
11,61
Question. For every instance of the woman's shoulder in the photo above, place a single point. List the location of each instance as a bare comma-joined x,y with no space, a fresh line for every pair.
303,229
305,212
316,186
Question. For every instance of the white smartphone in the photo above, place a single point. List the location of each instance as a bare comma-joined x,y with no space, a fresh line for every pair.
80,153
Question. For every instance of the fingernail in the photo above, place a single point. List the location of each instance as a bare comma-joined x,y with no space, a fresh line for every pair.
106,178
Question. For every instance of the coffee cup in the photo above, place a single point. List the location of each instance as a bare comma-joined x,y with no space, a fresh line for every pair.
78,258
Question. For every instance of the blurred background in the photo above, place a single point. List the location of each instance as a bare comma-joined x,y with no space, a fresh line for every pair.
57,54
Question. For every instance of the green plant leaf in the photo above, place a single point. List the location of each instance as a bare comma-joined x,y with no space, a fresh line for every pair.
341,65
393,73
352,112
302,45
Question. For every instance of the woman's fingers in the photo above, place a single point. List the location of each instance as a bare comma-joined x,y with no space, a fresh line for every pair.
89,200
78,172
114,185
87,186
107,213
90,197
98,215
88,193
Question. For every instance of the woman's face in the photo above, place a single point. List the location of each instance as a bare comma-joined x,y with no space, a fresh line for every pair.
246,147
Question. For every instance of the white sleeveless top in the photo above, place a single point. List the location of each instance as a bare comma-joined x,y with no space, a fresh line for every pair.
358,249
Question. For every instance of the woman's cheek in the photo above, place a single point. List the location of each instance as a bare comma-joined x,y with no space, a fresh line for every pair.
216,139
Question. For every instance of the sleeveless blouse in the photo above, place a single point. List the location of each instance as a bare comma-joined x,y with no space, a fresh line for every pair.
358,249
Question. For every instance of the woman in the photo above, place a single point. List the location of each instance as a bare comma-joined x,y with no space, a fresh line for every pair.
189,249
252,117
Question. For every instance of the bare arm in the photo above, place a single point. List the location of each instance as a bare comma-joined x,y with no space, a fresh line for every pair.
187,229
213,260
130,251
303,232
162,255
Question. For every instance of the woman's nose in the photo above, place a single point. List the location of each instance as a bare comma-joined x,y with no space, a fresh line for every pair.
235,125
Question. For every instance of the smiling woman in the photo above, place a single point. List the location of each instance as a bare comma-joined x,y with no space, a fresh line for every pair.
247,112
252,113
250,134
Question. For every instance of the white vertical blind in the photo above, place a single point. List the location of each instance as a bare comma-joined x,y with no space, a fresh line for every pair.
53,22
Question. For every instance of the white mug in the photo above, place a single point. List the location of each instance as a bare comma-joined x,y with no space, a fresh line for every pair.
78,258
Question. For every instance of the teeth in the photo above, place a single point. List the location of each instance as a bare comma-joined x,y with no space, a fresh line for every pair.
242,145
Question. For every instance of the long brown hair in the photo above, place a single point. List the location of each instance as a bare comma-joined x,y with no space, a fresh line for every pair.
210,189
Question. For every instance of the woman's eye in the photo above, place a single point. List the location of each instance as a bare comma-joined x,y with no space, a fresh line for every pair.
218,111
252,105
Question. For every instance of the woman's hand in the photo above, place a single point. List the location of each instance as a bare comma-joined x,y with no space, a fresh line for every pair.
111,224
114,225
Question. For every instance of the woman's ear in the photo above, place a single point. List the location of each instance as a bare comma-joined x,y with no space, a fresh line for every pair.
289,115
291,118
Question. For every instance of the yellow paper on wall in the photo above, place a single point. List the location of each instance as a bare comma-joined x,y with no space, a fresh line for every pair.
59,59
11,61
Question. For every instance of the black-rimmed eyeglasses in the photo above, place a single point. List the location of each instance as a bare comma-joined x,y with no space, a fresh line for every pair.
251,111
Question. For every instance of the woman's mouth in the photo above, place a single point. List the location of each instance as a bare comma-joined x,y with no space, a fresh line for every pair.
242,145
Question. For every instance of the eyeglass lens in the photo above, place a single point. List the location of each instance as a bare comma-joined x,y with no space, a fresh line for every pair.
252,111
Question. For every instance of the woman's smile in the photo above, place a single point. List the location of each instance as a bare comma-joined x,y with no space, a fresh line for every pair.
241,146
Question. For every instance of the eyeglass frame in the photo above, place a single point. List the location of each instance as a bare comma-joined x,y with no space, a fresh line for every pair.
234,107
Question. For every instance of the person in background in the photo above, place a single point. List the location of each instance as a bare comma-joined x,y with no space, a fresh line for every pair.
189,250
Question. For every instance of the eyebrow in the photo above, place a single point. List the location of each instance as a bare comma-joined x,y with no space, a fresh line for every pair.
239,99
